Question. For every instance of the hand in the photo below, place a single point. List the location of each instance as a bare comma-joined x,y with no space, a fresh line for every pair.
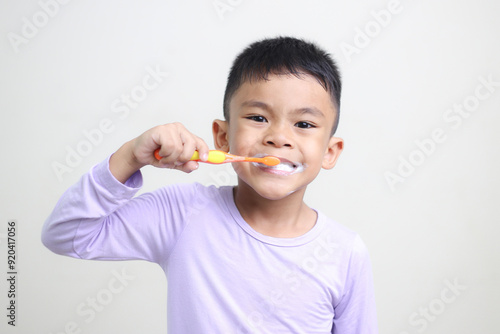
176,145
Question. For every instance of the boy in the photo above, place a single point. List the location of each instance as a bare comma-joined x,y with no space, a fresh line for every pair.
253,258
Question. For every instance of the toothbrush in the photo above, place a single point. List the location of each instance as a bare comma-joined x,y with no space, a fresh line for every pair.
220,157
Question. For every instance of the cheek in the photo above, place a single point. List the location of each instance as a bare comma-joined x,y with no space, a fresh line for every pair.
241,142
315,147
234,134
237,167
316,154
242,171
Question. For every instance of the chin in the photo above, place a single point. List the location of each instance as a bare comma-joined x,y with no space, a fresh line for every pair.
271,186
275,193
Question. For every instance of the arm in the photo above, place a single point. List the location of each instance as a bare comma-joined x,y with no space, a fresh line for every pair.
356,312
97,217
86,205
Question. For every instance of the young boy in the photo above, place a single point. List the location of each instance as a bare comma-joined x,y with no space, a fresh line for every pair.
252,258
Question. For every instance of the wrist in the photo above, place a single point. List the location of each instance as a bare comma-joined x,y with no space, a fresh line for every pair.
130,158
123,163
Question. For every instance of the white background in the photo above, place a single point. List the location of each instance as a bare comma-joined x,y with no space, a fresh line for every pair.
440,225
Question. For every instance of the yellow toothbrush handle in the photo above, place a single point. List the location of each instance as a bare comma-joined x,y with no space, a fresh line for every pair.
219,157
214,156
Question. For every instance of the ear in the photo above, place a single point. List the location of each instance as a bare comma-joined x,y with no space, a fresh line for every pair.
219,131
332,153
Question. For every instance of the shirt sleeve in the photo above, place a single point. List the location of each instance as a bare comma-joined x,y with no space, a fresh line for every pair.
356,311
99,218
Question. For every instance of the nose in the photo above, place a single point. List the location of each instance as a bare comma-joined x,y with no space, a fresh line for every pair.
278,136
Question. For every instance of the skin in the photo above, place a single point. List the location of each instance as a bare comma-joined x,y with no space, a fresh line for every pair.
285,116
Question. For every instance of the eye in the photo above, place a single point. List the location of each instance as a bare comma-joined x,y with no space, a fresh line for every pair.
304,125
257,118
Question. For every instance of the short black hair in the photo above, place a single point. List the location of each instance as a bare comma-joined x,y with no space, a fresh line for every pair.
284,55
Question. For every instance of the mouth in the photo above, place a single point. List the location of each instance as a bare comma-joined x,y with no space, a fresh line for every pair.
285,167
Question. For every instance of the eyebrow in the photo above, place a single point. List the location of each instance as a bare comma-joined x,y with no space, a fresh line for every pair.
256,104
313,111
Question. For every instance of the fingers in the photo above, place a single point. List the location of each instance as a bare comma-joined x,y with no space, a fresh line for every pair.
202,149
176,147
187,167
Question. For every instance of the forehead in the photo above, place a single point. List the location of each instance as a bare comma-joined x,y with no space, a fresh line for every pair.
284,91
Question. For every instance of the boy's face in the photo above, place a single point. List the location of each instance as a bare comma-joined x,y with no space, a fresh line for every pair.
287,117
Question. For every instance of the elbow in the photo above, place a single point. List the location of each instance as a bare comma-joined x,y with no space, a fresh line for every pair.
53,240
48,240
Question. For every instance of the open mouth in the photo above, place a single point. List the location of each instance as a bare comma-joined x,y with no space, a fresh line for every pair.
285,167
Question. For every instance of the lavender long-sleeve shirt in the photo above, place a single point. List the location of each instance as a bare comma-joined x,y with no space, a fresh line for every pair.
223,276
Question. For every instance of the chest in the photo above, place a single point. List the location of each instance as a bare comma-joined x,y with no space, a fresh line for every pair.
217,264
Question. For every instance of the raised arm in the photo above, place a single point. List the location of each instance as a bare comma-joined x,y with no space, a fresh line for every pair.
99,218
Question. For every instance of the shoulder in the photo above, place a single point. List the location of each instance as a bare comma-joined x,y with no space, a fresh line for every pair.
345,239
190,192
337,230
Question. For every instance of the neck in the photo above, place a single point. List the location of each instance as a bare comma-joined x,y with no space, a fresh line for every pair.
284,218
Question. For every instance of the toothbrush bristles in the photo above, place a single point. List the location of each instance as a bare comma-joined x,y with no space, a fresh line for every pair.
270,161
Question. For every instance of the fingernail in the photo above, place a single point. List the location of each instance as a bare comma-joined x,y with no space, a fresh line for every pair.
204,157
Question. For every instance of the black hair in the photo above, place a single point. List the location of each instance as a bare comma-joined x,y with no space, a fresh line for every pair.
284,55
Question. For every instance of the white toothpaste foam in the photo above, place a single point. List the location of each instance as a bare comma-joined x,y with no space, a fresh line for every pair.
287,167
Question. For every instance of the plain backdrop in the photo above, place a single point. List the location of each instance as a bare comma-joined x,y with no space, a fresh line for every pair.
418,178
